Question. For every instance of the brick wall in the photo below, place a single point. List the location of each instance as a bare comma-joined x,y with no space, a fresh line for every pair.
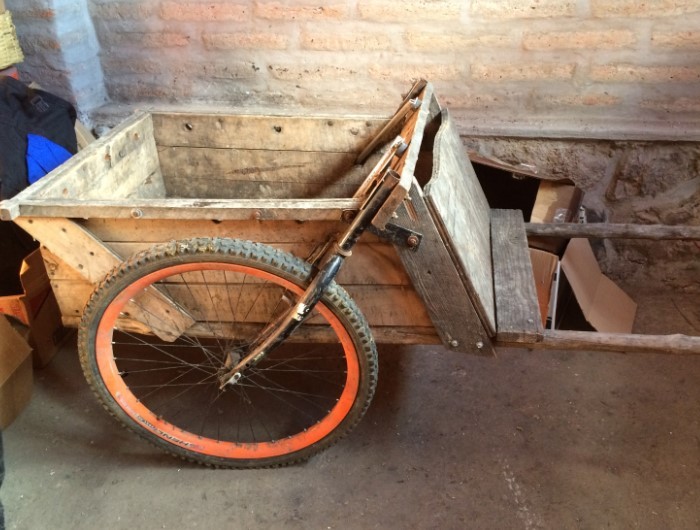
574,68
607,68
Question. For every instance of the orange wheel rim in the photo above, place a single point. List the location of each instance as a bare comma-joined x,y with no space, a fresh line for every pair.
170,433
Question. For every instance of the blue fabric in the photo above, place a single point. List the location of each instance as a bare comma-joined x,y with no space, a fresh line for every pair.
43,156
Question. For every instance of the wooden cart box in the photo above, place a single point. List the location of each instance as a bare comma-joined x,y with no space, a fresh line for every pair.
280,180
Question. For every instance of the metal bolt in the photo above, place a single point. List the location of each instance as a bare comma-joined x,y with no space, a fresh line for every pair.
349,215
412,241
136,213
479,345
257,215
454,343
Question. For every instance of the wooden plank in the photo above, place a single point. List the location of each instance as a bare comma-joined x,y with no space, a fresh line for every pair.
241,174
271,232
371,264
676,344
437,281
93,261
274,133
614,230
381,334
205,188
185,210
382,305
517,309
462,212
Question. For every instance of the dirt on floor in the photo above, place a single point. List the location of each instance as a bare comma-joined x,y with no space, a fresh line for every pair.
530,439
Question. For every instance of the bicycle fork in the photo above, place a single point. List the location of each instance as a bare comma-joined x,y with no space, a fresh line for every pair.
329,266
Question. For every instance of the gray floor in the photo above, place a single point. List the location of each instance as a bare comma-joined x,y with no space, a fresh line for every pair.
525,440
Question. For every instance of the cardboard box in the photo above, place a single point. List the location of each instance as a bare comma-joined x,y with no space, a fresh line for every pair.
604,305
36,307
556,202
16,376
544,267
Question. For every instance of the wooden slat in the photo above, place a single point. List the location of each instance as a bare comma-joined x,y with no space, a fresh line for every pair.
242,174
371,264
517,309
188,209
381,334
677,344
614,230
274,133
462,212
93,261
437,281
382,305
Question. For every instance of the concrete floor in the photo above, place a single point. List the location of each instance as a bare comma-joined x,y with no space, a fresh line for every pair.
526,440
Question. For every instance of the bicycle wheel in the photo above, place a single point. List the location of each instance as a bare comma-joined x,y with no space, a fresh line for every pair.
301,398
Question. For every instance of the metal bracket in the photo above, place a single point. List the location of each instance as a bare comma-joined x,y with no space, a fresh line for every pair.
398,235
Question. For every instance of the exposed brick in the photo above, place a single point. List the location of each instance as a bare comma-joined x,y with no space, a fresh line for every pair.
473,101
229,41
122,11
148,40
411,72
198,11
133,65
495,72
455,41
678,39
563,40
673,105
503,9
648,8
600,99
409,10
291,72
137,91
277,11
355,41
644,74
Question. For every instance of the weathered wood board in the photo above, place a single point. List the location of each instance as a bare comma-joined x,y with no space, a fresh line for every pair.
460,207
517,309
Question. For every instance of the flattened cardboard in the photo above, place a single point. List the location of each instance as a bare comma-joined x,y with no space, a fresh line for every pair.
16,376
605,306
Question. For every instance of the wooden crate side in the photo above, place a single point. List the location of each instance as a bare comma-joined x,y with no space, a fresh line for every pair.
246,173
459,206
264,132
438,283
123,164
